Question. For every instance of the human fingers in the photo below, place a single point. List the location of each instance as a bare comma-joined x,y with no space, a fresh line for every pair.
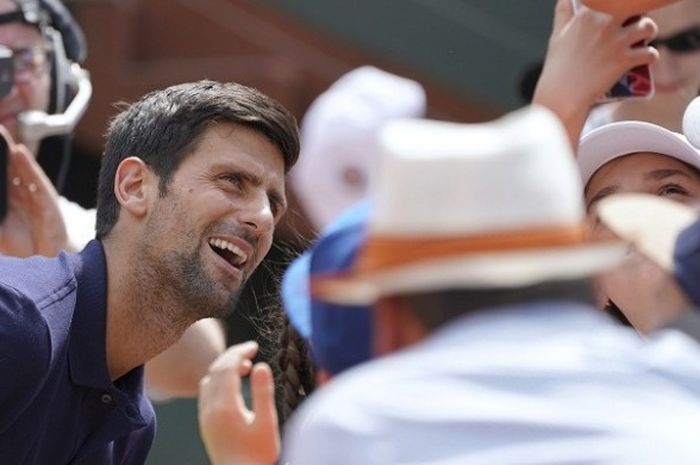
262,388
638,56
626,8
238,356
563,12
30,178
29,169
220,401
643,30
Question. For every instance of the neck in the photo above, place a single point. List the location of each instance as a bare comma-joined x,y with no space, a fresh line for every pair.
140,319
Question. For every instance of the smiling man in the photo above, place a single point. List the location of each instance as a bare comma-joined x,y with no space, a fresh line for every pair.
191,188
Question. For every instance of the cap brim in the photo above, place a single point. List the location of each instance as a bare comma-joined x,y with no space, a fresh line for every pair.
615,140
651,223
296,296
475,271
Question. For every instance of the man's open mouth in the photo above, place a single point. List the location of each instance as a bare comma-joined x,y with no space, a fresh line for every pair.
229,252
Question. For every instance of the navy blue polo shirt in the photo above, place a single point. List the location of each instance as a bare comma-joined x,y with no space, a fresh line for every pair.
57,403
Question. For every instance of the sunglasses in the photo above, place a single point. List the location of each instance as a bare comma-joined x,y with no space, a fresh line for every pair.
684,42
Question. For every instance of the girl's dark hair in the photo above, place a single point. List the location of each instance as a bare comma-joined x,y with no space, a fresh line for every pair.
281,345
294,368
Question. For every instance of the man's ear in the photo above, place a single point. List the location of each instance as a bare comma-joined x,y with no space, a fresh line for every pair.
134,186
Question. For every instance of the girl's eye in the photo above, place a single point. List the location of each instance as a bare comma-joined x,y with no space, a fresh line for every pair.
672,189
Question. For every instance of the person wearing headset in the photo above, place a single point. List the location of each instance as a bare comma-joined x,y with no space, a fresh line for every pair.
43,94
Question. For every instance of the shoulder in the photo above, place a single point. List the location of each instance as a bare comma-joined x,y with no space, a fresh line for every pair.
29,317
37,278
25,352
20,319
347,419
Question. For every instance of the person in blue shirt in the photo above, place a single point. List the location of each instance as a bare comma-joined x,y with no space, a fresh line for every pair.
191,188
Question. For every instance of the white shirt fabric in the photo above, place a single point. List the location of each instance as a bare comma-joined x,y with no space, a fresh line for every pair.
80,223
554,383
336,164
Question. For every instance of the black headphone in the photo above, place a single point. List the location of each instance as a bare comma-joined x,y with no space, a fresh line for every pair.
69,46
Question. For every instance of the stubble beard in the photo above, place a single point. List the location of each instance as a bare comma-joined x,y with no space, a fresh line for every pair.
176,287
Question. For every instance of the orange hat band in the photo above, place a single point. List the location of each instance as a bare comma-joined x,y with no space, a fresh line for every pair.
382,252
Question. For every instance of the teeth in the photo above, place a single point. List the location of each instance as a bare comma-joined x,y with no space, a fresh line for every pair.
241,257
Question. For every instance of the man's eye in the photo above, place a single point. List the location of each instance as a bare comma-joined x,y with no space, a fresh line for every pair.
233,179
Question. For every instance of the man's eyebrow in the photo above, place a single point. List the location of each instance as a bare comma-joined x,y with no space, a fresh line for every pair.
243,173
658,175
601,194
274,194
249,177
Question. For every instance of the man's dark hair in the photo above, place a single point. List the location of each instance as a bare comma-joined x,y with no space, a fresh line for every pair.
433,309
164,127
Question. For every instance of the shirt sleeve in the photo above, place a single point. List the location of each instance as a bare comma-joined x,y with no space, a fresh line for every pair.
24,354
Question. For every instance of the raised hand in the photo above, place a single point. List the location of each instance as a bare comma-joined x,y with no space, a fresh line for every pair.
588,52
232,433
33,224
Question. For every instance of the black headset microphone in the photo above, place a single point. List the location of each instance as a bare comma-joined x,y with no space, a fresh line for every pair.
71,88
36,125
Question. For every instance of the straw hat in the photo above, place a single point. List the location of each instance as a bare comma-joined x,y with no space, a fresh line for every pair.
492,205
667,232
651,223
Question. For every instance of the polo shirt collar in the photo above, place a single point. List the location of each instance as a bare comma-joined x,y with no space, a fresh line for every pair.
87,356
86,352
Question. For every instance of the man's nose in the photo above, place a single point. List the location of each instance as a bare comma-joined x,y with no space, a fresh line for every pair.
257,214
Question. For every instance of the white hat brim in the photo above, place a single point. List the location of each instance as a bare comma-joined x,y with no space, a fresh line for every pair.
491,270
649,222
618,139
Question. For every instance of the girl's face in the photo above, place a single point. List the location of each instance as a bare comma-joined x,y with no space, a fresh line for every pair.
647,173
641,290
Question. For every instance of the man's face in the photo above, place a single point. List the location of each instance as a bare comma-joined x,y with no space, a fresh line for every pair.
33,81
215,223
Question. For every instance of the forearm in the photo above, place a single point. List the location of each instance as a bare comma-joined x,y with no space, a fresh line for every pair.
571,113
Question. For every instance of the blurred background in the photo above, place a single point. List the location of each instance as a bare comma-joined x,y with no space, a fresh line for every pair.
468,54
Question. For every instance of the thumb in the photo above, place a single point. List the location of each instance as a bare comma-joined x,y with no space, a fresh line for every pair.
262,389
563,12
